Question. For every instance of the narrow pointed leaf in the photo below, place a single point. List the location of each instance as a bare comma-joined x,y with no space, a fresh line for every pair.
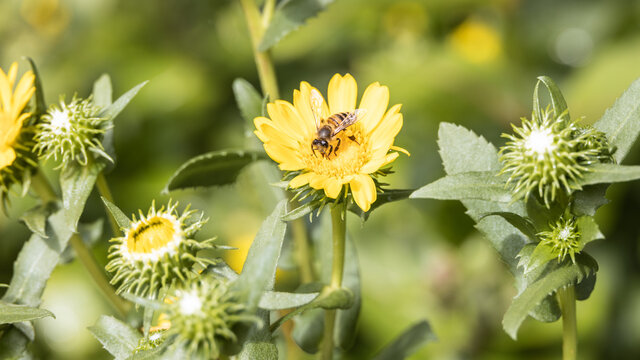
259,271
483,185
112,111
11,313
589,230
621,122
609,173
122,219
102,92
41,106
528,299
288,16
410,341
558,104
76,183
212,169
118,338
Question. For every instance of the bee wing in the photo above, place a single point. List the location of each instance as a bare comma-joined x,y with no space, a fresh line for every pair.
316,106
349,120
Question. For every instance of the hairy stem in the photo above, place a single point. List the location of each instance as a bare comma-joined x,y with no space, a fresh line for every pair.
43,188
339,226
567,298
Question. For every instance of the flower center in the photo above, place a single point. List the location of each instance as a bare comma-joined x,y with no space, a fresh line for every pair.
190,303
540,142
149,239
60,122
348,154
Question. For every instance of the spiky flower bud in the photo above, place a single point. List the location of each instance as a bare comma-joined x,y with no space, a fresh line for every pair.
202,314
72,132
549,154
157,250
563,239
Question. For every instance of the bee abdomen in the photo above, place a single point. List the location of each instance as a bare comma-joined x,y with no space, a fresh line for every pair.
338,118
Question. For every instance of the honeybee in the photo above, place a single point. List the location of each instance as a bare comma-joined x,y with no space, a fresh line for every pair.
328,128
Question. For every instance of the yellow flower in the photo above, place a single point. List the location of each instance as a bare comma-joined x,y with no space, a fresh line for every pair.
12,119
353,156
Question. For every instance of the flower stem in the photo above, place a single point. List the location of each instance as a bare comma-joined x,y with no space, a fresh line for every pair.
42,187
339,225
257,26
567,299
105,192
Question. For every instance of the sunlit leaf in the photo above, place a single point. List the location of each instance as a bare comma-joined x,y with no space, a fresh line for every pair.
123,221
11,313
609,173
407,343
521,223
248,99
483,185
558,104
288,16
76,183
118,338
41,106
385,197
273,300
621,122
114,109
212,169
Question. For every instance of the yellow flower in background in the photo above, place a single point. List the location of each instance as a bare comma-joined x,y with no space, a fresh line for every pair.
15,136
333,144
476,41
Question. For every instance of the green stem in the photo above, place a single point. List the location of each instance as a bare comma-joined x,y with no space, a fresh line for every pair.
42,187
105,192
266,71
567,299
339,226
303,252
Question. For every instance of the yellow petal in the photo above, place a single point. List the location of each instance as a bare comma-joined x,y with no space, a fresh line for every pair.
390,157
364,191
286,119
318,181
303,104
374,101
7,156
402,150
332,187
373,165
281,154
269,133
301,180
390,125
342,93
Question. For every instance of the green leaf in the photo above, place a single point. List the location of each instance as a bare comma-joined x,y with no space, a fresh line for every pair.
621,122
463,151
521,223
102,92
90,233
541,255
122,219
589,199
483,185
118,338
589,230
259,271
248,99
36,218
408,342
382,198
301,210
36,261
527,300
273,300
11,313
41,106
308,330
216,168
76,183
288,16
558,104
609,173
112,111
259,344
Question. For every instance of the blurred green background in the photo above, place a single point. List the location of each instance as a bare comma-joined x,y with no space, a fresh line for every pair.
469,62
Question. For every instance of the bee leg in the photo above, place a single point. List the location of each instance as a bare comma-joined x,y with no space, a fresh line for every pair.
313,151
330,150
353,138
335,151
